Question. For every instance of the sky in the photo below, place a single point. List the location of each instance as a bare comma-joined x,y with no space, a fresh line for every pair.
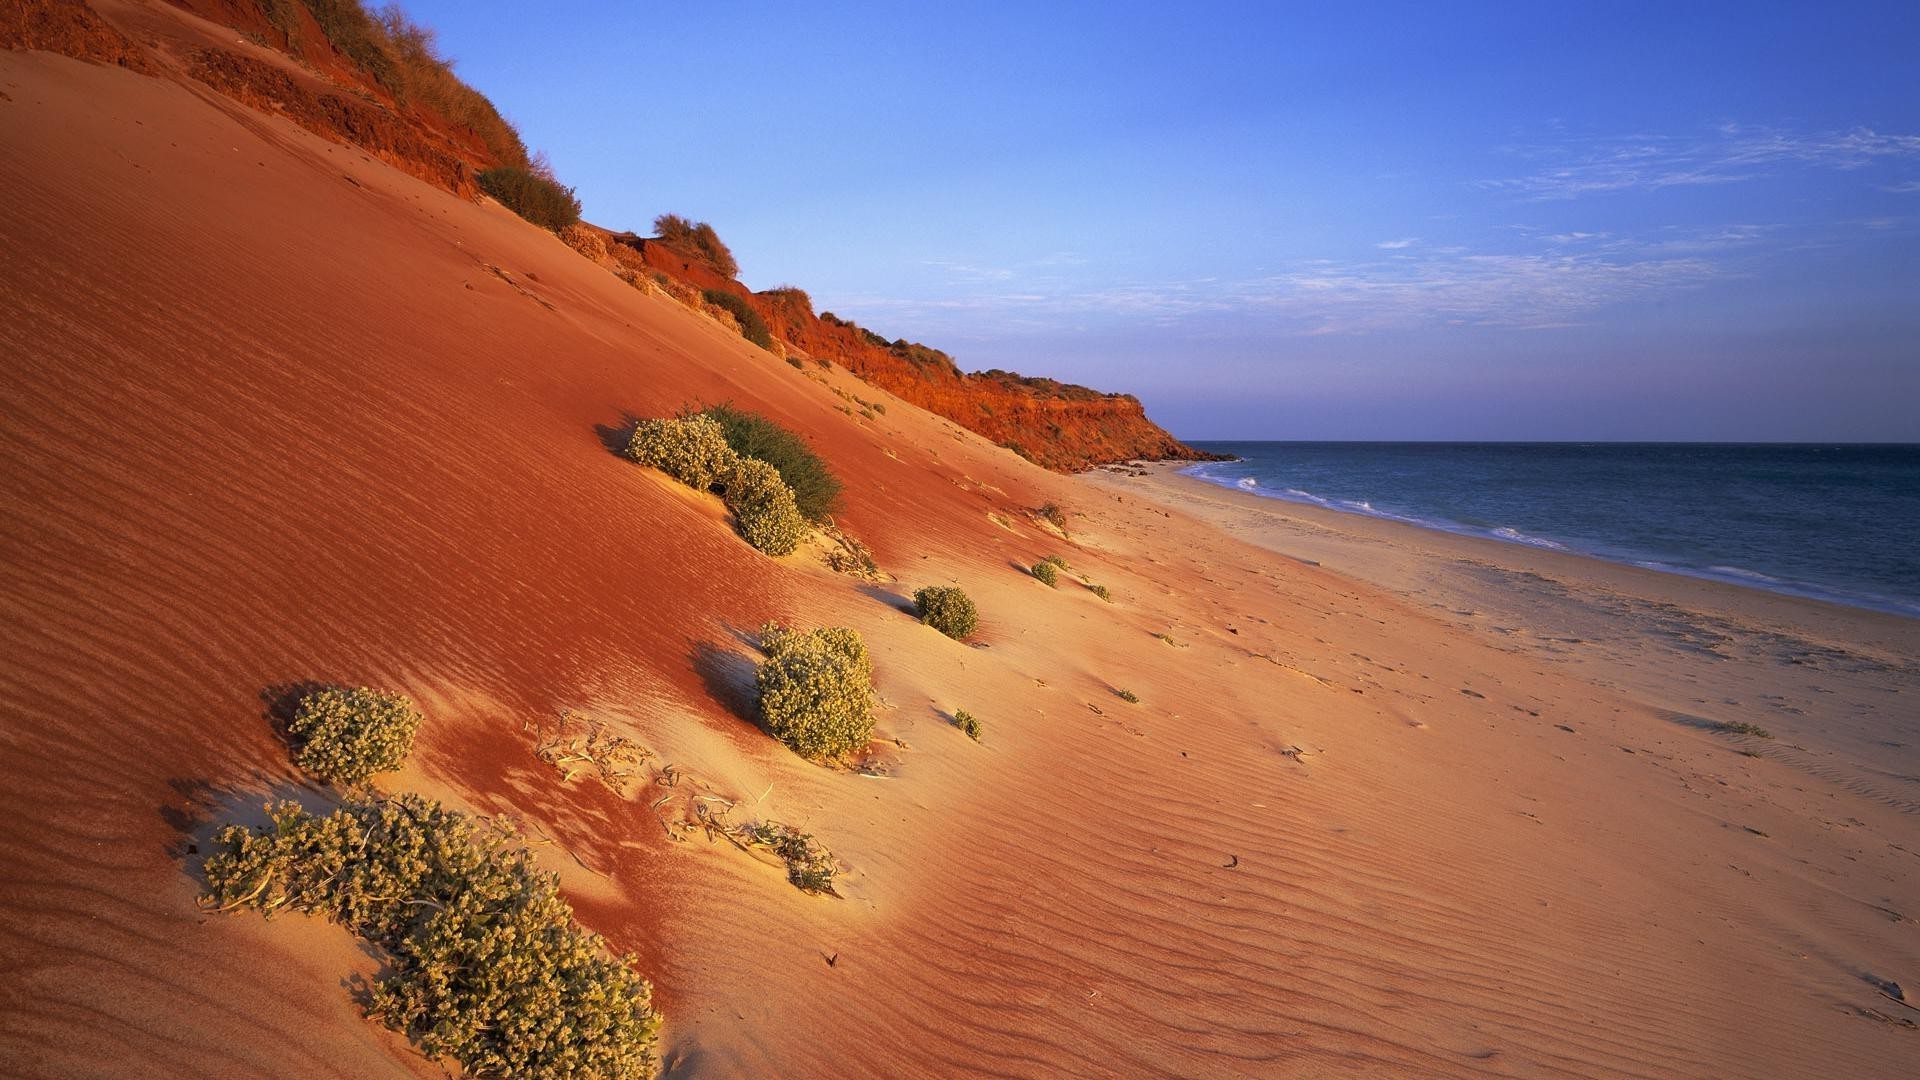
1291,220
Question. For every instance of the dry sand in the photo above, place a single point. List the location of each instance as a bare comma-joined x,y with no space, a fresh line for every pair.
273,412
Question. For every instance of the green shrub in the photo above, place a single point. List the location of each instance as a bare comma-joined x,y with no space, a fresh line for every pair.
1741,727
698,240
1100,591
691,449
345,735
810,867
1127,696
484,961
1056,560
948,610
752,326
816,690
1048,573
763,507
540,199
816,491
965,721
1053,514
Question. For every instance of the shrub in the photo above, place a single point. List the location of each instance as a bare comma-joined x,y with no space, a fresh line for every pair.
1048,573
1100,591
965,721
344,736
691,449
816,491
1741,727
484,961
763,507
1056,560
540,199
698,240
810,866
948,610
1052,514
1127,696
816,690
752,326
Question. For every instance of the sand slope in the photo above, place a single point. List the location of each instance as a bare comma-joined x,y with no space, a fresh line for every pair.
274,411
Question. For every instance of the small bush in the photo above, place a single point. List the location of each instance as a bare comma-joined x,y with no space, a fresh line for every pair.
816,690
698,240
1056,560
691,449
1127,696
1048,573
816,491
948,610
1053,514
485,963
540,199
1100,591
344,736
763,507
752,326
810,867
1741,727
965,721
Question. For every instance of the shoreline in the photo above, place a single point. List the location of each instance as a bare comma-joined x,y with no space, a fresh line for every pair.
1865,597
1667,639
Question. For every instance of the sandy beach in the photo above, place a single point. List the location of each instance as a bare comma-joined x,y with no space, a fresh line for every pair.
1387,802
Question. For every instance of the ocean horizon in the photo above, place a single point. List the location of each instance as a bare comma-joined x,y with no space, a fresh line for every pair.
1827,521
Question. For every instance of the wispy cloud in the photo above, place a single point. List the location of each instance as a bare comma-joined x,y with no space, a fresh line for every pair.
1397,245
1554,286
1570,168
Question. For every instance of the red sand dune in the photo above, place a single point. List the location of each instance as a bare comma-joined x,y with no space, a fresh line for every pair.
276,411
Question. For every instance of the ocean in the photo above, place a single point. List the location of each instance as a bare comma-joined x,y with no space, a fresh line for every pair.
1836,522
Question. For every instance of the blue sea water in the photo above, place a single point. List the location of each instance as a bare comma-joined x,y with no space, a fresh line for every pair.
1833,522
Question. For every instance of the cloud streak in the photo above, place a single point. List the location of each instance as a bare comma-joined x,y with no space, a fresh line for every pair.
1730,154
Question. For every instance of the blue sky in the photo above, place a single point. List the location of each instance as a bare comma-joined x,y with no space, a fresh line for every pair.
1452,221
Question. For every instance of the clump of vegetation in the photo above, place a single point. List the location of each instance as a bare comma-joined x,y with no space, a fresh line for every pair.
816,690
966,722
1741,727
752,326
572,751
698,240
534,195
485,963
691,449
1127,696
1048,573
1056,561
948,610
810,866
763,505
816,491
344,735
1053,514
1100,591
1166,638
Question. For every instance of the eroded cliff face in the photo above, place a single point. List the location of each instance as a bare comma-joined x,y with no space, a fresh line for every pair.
1057,425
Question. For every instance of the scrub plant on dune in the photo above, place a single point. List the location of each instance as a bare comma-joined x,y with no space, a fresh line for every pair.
691,449
763,505
810,867
1048,573
948,610
816,690
343,735
485,963
816,490
967,723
